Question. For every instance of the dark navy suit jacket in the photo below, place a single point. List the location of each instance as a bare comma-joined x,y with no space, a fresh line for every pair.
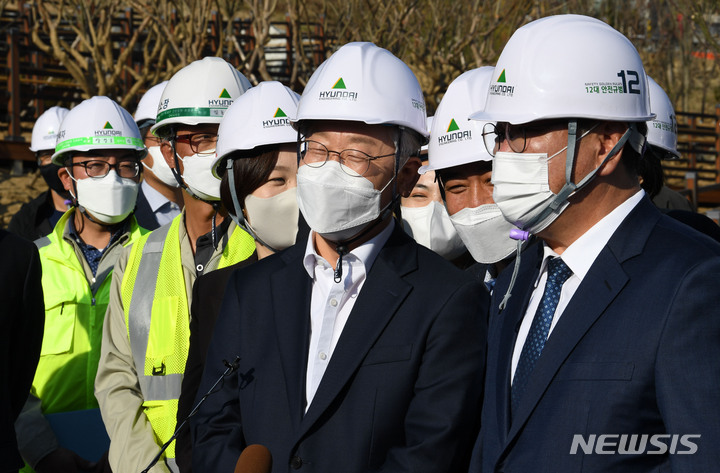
636,352
401,392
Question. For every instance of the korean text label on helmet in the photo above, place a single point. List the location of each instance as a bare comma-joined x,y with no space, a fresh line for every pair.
540,75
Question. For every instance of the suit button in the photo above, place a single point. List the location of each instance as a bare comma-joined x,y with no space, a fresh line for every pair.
296,463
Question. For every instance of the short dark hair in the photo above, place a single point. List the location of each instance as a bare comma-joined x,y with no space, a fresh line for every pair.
632,158
251,170
651,171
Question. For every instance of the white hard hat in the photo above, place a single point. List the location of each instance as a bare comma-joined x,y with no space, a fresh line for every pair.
148,106
428,125
97,123
662,131
259,117
44,133
199,93
567,66
454,139
363,82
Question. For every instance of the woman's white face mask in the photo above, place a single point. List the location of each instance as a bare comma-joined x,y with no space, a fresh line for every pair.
431,227
274,219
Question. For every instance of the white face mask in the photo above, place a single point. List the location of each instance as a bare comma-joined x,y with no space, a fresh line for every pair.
109,199
160,168
522,189
274,219
198,176
485,232
335,204
431,227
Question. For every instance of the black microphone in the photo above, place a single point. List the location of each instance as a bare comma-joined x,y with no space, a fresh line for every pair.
230,368
254,459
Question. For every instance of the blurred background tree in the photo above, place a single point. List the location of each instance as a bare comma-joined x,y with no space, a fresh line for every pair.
120,48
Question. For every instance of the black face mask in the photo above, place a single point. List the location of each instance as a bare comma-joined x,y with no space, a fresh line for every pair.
49,172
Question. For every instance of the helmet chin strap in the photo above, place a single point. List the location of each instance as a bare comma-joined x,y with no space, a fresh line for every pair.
175,170
636,140
237,215
214,204
342,246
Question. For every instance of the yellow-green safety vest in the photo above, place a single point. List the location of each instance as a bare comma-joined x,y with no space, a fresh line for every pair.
74,314
157,317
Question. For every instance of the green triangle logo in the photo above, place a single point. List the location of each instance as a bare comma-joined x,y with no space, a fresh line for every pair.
224,94
340,84
452,126
108,126
502,76
279,113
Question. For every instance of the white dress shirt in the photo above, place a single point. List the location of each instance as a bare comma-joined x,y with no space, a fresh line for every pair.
164,209
579,257
331,302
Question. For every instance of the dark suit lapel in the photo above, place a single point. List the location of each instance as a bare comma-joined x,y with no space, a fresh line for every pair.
598,289
381,296
291,288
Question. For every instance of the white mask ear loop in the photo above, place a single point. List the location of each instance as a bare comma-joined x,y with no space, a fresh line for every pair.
572,131
569,186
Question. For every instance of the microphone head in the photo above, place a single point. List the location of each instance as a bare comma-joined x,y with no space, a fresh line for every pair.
254,459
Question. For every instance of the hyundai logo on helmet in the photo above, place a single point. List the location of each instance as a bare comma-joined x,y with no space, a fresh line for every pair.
338,92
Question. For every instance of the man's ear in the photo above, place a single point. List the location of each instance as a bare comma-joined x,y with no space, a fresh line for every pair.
64,176
408,176
167,151
609,133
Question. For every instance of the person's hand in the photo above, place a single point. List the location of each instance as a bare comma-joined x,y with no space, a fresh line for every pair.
103,465
63,460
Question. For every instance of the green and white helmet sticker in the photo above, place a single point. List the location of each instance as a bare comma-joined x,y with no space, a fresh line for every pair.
97,123
199,93
108,141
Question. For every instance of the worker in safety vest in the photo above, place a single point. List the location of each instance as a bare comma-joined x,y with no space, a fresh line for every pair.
145,342
99,149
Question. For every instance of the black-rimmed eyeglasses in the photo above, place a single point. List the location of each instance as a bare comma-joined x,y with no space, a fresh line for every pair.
98,169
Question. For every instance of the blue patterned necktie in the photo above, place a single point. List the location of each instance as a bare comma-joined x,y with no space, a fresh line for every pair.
558,273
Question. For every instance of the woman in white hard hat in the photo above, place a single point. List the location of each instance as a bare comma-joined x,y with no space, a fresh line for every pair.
99,148
257,161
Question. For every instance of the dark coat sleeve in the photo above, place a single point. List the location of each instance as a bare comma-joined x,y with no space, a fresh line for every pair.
208,292
23,316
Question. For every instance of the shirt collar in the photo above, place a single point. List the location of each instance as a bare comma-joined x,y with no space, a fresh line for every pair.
581,254
154,198
365,253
